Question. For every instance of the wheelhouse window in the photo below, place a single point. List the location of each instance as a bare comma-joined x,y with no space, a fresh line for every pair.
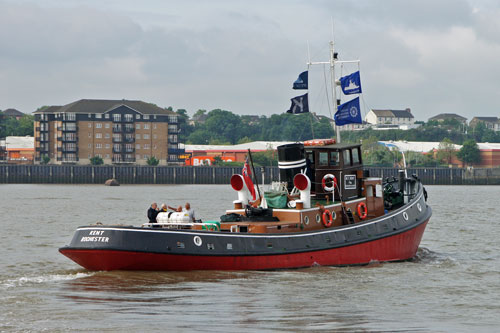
323,158
355,156
347,157
334,158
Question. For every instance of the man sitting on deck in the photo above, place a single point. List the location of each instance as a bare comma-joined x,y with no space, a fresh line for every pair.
153,212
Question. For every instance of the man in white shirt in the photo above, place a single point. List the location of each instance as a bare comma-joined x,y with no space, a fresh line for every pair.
188,210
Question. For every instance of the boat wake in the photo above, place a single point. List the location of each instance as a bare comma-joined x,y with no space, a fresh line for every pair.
46,278
426,256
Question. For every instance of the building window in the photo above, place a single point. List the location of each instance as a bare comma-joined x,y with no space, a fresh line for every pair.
146,117
137,126
145,136
107,155
117,117
98,135
98,125
106,116
98,116
107,145
154,146
107,135
146,146
98,145
138,136
145,157
154,126
137,146
137,116
90,135
106,125
137,156
172,119
146,126
129,117
155,136
90,116
90,125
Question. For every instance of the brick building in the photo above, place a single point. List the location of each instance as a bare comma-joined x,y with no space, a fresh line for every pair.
118,131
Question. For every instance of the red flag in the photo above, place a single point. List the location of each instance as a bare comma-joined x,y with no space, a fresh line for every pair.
247,176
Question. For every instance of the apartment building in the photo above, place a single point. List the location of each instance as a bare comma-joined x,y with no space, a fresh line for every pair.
118,131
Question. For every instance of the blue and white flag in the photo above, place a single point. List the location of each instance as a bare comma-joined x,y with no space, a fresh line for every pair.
301,82
351,84
348,113
300,104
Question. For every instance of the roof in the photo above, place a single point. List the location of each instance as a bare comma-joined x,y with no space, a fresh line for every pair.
256,146
447,116
417,146
105,105
487,119
393,113
19,142
13,113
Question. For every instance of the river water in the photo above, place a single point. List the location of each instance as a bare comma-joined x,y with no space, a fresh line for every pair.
453,285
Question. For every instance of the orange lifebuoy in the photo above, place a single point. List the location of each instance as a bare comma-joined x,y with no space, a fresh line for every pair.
319,142
332,178
362,210
327,218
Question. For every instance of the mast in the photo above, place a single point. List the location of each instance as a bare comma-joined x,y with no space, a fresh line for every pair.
332,62
334,86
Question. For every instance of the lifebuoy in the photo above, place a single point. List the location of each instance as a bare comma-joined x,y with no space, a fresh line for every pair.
327,218
362,210
331,177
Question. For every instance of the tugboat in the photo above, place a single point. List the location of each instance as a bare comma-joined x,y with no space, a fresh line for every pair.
326,210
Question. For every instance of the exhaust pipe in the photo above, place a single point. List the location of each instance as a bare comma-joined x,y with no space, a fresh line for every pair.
303,184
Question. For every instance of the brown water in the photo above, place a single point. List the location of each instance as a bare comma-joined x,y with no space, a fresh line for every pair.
453,284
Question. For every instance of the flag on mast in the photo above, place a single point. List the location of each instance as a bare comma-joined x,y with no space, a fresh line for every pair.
247,176
351,84
302,81
348,113
300,104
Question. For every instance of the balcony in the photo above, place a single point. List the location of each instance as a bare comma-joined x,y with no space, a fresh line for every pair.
129,140
59,148
129,150
42,139
59,138
117,140
70,139
128,120
128,129
118,150
70,128
70,149
175,151
117,129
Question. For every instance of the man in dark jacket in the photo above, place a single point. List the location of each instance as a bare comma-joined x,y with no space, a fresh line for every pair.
153,212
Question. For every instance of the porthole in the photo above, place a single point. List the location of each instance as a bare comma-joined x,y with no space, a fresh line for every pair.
197,240
334,216
419,207
306,220
318,218
405,216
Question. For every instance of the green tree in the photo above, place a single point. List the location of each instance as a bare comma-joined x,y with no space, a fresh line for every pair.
153,161
217,161
96,160
469,153
45,159
446,151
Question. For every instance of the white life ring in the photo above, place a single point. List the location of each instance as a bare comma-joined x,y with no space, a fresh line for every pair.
331,177
197,240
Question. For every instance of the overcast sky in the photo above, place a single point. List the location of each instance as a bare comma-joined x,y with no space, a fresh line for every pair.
243,56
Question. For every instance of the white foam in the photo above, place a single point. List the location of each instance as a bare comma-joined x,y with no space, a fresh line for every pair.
42,279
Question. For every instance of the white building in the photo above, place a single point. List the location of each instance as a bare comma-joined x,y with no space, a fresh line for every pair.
400,118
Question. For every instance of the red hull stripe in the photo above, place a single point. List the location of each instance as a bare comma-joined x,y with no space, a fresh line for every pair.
394,248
